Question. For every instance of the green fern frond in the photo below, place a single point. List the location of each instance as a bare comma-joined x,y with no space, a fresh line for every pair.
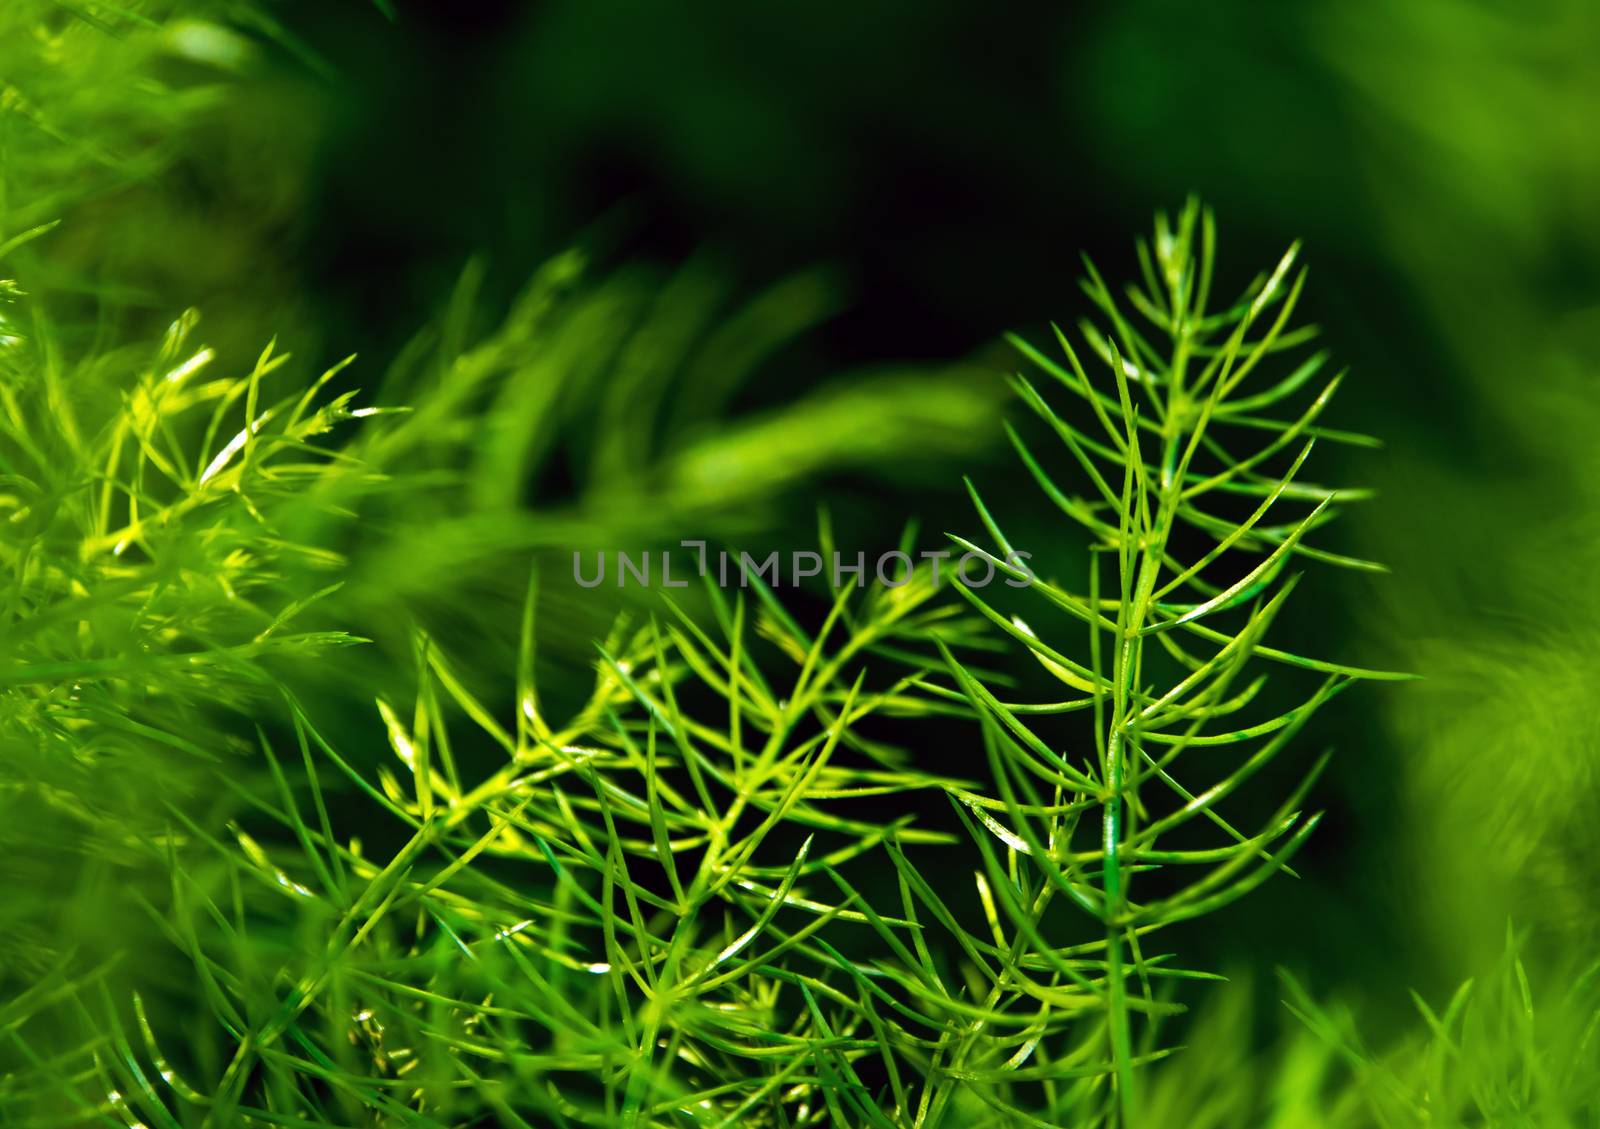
1197,518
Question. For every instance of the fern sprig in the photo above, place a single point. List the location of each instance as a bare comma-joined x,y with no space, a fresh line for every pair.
1172,431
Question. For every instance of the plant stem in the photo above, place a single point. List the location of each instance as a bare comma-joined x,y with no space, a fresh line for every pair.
1117,1004
1139,572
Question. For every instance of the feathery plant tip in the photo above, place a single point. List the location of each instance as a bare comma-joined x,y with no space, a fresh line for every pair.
1192,558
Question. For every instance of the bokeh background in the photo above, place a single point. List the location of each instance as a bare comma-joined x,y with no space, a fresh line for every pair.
785,241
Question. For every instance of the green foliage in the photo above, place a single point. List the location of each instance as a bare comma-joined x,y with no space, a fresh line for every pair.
1490,1056
716,877
538,930
1177,440
138,127
84,112
709,896
148,589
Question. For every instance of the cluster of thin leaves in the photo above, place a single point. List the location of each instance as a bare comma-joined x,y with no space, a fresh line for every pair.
147,587
1189,506
610,927
706,898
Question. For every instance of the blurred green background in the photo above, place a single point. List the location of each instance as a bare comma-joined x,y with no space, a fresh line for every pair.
824,216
